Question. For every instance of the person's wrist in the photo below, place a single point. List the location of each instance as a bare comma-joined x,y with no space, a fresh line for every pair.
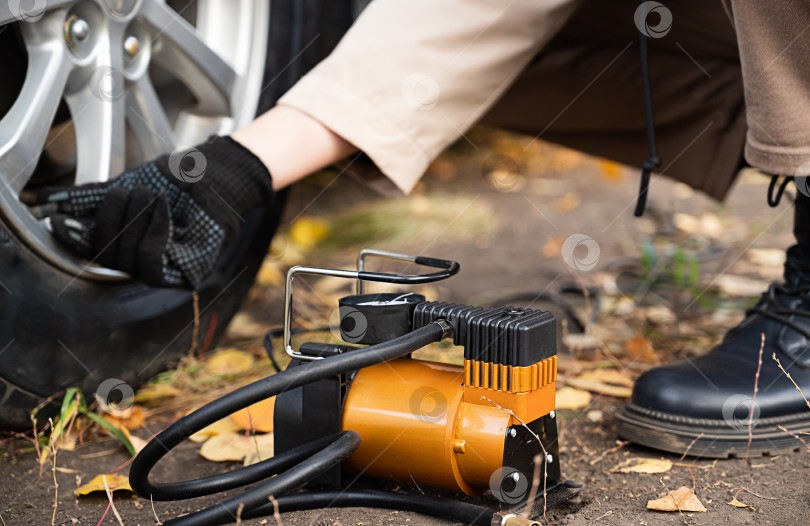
226,168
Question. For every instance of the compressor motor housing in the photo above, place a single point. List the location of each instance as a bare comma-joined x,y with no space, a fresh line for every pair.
487,425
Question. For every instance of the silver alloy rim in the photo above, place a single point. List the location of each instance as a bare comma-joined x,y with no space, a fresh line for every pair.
101,57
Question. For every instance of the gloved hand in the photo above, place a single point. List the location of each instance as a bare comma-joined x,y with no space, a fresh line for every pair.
167,221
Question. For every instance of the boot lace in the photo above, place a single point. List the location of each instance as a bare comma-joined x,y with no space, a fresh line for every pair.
769,306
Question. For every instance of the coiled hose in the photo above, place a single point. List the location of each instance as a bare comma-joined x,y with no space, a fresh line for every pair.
295,467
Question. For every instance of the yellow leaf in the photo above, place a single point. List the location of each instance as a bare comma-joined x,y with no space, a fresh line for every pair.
738,504
262,450
229,361
681,499
258,417
570,398
115,482
643,465
220,427
233,447
269,274
307,231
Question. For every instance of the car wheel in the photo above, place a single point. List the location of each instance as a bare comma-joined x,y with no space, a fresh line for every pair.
98,86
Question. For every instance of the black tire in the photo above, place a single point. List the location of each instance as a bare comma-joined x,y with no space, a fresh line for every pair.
57,331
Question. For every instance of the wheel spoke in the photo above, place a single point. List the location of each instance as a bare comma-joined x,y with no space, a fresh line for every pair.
28,10
147,119
181,51
98,113
24,129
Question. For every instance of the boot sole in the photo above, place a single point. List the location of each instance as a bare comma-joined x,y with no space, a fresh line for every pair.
706,438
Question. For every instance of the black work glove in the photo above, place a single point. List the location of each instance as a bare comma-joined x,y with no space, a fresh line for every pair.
167,221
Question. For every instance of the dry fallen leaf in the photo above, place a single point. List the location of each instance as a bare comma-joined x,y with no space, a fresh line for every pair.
581,342
738,504
233,447
568,202
220,427
681,499
270,273
229,361
608,382
552,248
131,418
739,286
570,398
257,417
244,327
115,482
639,348
767,257
643,465
708,225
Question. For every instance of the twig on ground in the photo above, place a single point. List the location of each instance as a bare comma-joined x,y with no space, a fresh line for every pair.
606,452
533,493
151,500
690,446
53,469
414,482
112,504
754,400
252,431
610,512
276,514
748,490
239,511
101,520
791,379
195,297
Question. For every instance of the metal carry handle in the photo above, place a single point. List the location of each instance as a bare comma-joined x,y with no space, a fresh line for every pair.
449,268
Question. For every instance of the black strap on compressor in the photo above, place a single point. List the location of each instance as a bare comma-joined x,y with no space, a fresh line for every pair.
653,161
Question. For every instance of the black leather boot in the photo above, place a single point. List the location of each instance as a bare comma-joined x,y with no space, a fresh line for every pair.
710,397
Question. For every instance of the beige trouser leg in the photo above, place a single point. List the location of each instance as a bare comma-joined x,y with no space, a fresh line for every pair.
774,43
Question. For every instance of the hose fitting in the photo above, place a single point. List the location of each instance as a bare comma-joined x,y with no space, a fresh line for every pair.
510,519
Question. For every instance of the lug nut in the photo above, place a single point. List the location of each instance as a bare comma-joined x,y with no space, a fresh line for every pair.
76,30
132,46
